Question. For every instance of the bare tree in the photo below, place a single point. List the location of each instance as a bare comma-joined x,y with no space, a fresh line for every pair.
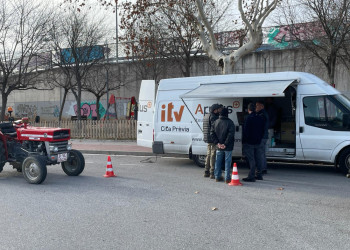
100,81
320,26
23,31
252,12
62,81
74,38
162,32
145,52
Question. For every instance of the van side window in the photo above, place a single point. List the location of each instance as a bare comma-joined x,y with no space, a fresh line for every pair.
325,112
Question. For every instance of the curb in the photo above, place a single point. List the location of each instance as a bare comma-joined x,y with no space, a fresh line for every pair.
131,153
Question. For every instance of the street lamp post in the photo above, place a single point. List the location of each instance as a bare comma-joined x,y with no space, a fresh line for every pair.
107,84
116,31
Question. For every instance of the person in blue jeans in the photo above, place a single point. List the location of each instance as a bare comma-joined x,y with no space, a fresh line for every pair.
223,135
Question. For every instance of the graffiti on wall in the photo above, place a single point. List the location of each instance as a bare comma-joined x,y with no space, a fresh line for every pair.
89,109
287,36
278,37
28,110
50,111
33,109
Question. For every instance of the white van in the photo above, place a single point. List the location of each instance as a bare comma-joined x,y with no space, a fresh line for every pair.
313,122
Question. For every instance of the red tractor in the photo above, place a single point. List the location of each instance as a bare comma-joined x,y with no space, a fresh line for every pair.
30,149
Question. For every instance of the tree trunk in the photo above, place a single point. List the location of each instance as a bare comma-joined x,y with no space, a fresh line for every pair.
62,104
333,61
78,112
78,97
226,65
98,107
3,107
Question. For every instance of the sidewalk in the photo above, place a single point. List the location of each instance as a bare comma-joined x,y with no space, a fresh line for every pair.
110,147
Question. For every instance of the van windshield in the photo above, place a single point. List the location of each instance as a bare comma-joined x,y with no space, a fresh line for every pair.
344,100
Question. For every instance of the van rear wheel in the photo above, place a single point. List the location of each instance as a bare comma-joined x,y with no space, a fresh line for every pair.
344,161
199,160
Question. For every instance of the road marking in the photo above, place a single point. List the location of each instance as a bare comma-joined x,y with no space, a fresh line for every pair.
140,156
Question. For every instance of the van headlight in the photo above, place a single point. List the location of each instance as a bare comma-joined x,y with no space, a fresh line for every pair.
69,146
53,149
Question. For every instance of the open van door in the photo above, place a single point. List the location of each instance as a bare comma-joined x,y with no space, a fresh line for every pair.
145,123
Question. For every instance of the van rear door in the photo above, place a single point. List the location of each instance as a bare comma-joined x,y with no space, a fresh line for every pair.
145,123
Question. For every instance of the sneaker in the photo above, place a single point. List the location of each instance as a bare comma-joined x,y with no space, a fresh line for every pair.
228,181
206,174
212,176
219,179
260,178
248,179
264,171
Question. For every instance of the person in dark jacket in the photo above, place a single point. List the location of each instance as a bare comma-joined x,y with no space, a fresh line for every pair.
223,135
253,132
208,121
260,110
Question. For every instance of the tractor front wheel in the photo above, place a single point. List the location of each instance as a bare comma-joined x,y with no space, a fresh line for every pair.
75,163
34,169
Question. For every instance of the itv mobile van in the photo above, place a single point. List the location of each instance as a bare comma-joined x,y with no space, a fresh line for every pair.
313,122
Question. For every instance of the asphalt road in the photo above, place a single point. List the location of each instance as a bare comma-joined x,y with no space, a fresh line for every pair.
165,203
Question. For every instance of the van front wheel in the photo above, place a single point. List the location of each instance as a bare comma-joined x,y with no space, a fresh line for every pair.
199,160
344,161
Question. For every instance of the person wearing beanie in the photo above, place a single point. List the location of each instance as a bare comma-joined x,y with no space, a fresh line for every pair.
223,136
208,121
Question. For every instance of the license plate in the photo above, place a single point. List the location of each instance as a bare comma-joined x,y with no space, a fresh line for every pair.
62,157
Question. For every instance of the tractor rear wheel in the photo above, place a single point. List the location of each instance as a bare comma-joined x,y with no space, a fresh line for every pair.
75,163
34,169
2,156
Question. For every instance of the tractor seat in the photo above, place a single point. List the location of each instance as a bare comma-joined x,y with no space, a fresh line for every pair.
7,129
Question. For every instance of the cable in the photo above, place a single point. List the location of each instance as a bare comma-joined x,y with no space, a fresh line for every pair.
149,160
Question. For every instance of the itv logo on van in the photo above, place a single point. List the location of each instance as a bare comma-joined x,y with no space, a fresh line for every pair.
167,113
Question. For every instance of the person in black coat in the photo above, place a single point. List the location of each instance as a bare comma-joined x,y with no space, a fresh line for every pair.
223,135
260,110
208,122
253,132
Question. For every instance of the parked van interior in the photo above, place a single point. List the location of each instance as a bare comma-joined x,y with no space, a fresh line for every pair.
281,110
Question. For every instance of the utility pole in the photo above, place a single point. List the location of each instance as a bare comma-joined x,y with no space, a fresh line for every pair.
116,31
107,85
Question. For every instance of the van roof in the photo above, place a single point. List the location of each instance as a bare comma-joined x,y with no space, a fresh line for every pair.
193,82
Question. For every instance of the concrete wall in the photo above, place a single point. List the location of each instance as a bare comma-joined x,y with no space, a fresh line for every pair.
46,103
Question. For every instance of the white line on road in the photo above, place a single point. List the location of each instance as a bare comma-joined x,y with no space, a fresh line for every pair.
139,156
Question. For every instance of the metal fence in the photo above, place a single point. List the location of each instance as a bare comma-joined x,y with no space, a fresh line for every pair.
90,129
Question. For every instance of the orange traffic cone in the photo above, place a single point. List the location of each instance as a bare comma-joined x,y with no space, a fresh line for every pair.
235,178
109,169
